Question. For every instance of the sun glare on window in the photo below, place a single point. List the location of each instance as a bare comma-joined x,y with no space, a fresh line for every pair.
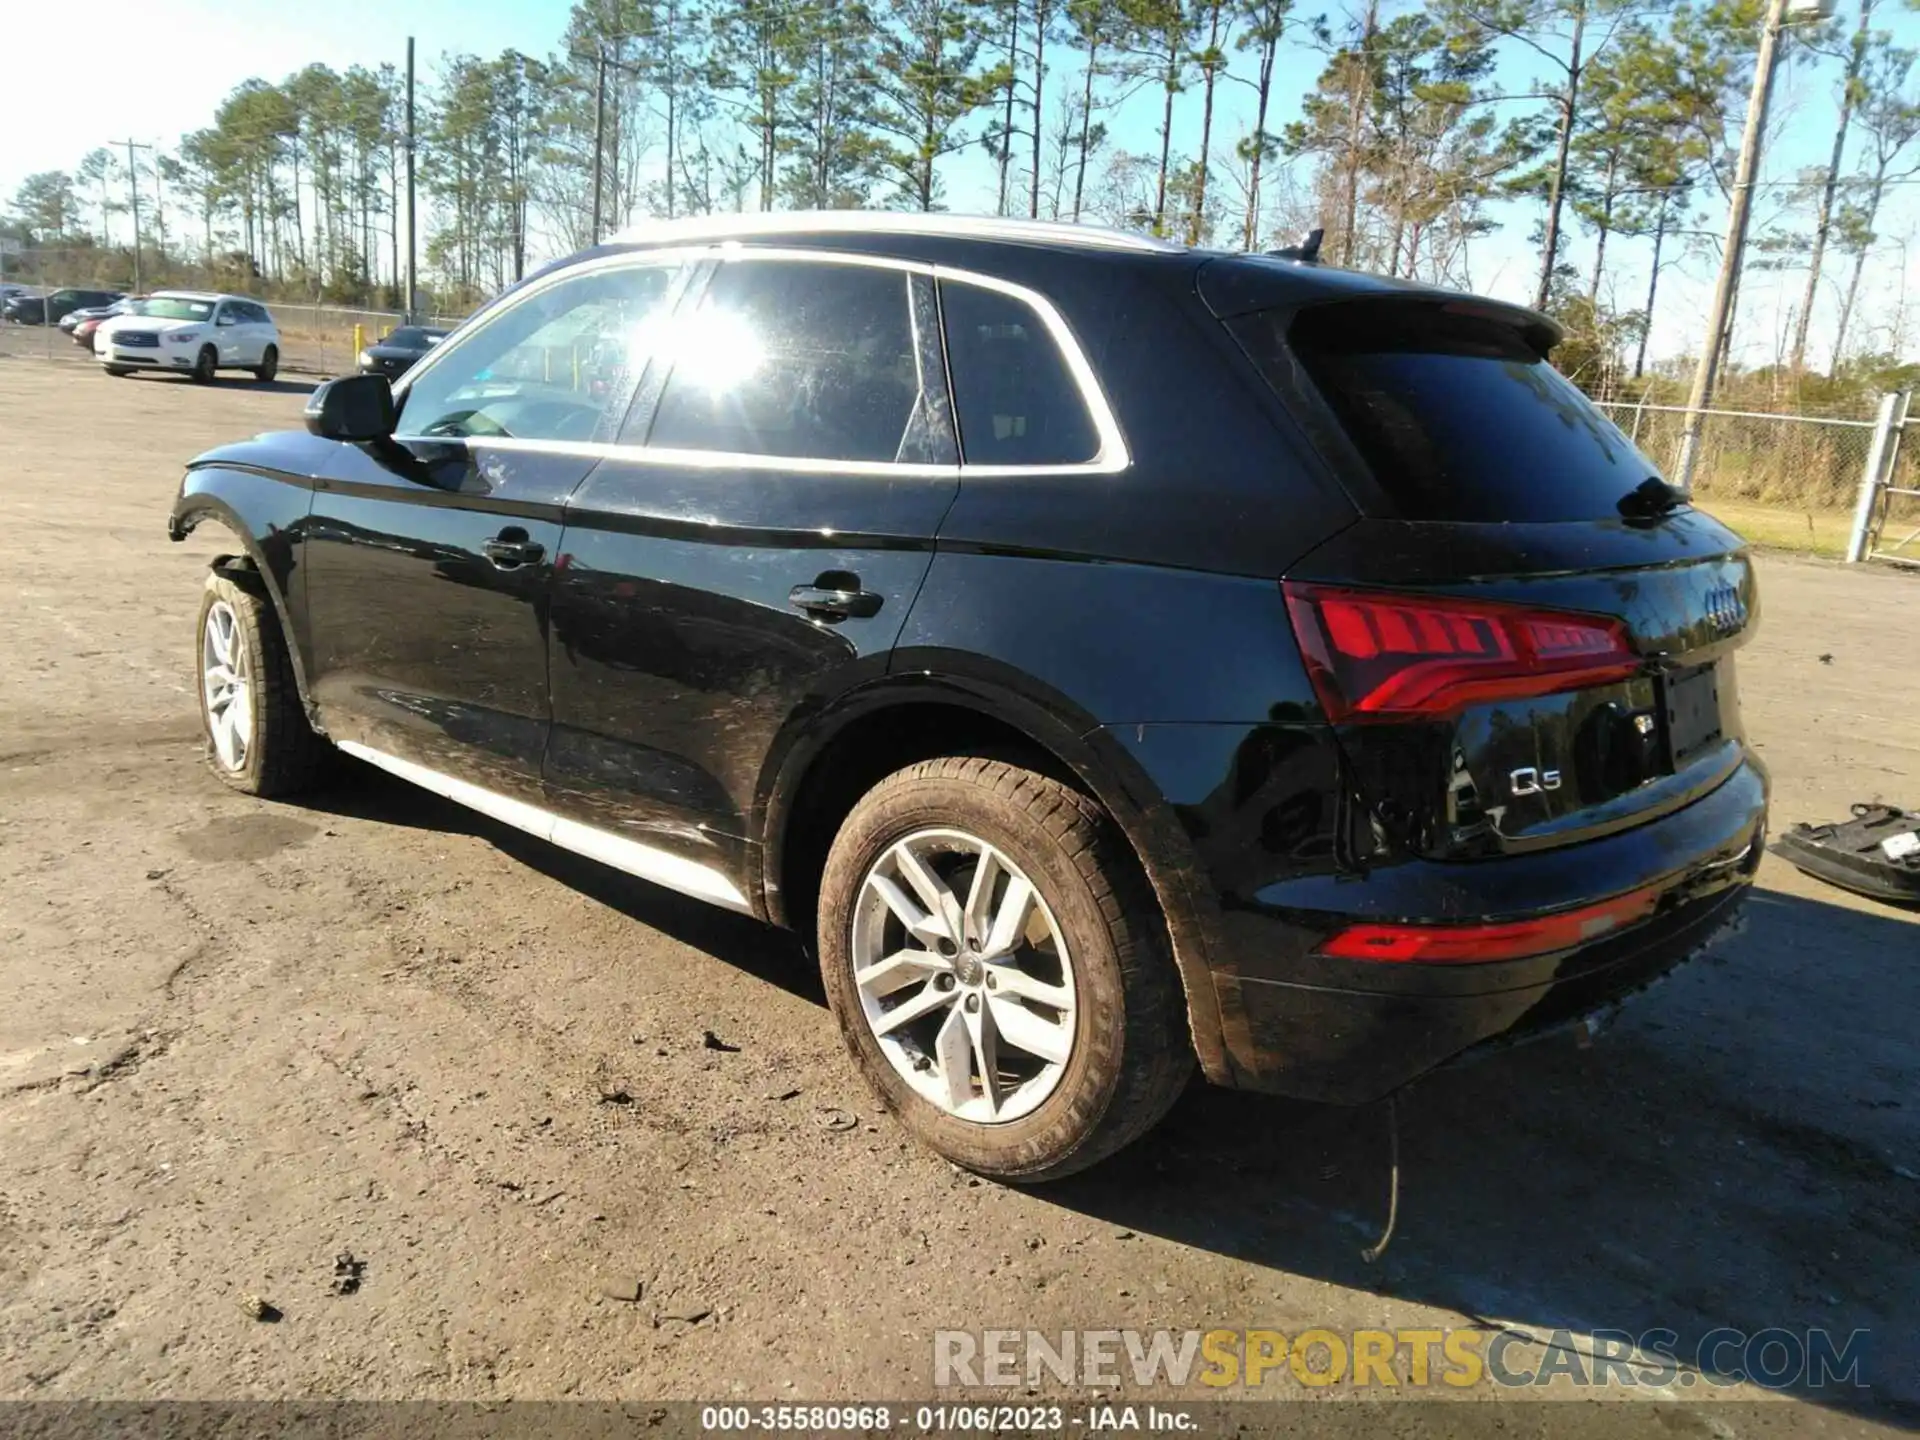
715,350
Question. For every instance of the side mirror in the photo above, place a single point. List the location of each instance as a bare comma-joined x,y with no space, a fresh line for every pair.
227,320
354,409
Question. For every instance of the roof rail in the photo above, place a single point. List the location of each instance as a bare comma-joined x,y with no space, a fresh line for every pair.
885,222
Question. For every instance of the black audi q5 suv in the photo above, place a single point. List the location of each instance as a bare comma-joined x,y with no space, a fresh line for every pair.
1113,657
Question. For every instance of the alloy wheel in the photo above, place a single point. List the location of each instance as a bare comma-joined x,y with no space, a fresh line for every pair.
226,686
964,976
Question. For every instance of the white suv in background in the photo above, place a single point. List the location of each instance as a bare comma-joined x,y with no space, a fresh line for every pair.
192,332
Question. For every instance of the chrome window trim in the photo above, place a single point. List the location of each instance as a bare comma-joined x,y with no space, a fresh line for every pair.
626,260
706,459
1110,458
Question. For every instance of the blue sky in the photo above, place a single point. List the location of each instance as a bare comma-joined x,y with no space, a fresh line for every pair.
192,52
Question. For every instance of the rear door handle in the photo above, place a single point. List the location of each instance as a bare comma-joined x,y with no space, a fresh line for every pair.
830,603
511,548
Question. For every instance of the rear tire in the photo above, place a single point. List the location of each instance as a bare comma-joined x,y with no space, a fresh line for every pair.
269,365
258,738
1111,1052
204,365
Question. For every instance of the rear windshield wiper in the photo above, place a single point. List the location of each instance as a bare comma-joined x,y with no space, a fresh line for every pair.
1651,499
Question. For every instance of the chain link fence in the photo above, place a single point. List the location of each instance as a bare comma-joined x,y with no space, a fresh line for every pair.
1790,480
1801,462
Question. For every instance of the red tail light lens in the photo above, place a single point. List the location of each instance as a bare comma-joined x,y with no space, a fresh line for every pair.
1380,656
1477,944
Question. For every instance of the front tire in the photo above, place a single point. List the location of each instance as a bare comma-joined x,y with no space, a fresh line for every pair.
269,365
999,970
258,738
119,372
204,365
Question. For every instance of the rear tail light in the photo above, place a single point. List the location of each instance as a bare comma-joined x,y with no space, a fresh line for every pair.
1477,944
1380,656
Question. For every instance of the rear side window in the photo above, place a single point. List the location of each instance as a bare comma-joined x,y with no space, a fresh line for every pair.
794,359
1457,416
1015,398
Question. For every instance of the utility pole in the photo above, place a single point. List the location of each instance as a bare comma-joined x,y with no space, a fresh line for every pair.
413,245
1731,256
133,195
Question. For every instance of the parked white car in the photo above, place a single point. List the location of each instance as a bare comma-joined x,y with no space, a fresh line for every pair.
192,332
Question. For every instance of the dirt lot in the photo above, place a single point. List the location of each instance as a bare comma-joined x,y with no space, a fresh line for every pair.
238,1039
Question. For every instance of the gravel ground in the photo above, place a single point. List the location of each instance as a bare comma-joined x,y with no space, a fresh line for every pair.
239,1040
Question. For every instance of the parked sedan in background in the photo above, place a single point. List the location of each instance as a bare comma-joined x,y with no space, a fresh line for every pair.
394,353
191,332
47,309
91,320
73,320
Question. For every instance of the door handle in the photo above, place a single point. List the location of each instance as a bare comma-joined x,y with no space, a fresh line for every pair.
511,548
835,602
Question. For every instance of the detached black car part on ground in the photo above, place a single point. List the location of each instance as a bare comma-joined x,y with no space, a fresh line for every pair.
1875,853
1112,654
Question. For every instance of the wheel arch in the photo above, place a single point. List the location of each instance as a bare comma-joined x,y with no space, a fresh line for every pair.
254,569
818,771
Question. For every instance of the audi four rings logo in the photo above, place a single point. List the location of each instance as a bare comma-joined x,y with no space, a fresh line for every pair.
1725,609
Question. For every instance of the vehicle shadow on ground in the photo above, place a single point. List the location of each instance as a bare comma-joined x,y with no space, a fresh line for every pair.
1736,1152
362,792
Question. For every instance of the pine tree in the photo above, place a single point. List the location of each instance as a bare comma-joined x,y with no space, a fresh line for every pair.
832,155
1852,93
1890,125
1098,29
1159,35
1567,36
926,86
1263,27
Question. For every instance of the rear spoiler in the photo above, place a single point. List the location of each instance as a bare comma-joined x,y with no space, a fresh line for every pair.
1231,285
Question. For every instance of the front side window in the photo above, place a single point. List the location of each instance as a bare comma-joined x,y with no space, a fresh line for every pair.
796,359
558,364
1015,398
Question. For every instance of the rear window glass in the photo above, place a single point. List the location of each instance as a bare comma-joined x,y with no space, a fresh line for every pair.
1458,418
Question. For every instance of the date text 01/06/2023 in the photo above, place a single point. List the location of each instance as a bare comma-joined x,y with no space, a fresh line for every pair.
1099,1418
